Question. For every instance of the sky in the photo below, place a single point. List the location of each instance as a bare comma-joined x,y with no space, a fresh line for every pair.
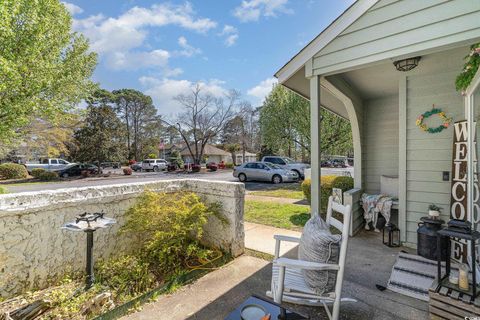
163,48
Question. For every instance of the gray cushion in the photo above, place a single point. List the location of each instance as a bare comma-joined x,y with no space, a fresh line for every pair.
318,244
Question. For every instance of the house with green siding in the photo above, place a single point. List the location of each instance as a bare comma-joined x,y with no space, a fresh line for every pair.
358,68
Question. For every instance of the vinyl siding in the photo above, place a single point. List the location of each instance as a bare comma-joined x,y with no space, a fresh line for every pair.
380,147
428,155
394,28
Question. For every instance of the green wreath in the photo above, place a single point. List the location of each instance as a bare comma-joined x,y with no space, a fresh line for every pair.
446,121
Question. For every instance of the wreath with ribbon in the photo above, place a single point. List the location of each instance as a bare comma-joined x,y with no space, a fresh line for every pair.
435,111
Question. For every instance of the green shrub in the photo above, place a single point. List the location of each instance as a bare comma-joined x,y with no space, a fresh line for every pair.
3,190
152,156
171,225
343,182
229,165
47,176
37,172
327,183
13,171
127,275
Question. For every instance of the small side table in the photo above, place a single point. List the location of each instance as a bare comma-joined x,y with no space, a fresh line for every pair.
276,311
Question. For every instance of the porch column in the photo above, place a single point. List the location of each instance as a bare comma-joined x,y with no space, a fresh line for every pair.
315,120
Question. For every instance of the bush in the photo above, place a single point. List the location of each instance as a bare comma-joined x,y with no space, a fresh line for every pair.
13,171
47,176
37,172
345,183
196,168
127,275
152,156
127,171
3,190
229,165
172,226
327,184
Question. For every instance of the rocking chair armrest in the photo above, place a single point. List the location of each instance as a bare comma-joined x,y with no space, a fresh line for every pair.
305,265
279,237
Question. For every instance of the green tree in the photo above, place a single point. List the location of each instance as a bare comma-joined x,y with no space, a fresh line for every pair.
143,124
103,136
44,67
285,126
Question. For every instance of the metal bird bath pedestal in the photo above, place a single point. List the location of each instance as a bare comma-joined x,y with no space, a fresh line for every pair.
88,223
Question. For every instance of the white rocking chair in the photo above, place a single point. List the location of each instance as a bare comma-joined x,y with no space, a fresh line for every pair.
288,283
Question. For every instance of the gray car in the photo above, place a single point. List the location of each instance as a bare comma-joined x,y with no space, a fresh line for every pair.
261,171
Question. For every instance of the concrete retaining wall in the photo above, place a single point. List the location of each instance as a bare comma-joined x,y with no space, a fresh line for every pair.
35,251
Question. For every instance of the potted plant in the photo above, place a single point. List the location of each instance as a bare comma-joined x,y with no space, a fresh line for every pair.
434,211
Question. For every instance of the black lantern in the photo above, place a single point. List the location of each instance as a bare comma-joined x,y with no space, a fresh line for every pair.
406,64
391,235
460,230
88,223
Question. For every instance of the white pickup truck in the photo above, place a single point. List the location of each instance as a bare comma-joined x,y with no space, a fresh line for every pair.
48,164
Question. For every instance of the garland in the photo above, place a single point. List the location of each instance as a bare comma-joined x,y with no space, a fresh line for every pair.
469,69
446,121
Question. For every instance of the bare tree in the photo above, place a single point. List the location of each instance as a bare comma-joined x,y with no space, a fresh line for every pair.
203,119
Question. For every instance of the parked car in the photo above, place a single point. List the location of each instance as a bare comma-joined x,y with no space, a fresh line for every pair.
76,169
154,164
212,166
339,163
48,164
137,166
287,163
110,164
326,164
264,171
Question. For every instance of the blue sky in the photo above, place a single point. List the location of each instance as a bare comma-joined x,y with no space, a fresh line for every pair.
163,47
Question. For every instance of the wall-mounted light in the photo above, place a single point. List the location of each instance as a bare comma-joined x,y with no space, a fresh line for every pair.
406,64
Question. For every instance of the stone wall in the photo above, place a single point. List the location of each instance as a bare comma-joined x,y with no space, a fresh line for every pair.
35,251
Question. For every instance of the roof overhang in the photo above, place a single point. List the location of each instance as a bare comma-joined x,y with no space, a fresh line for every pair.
355,11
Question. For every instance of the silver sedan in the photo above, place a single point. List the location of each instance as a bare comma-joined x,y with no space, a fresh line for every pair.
261,171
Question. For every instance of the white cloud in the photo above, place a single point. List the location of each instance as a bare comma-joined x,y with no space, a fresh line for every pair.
163,91
188,50
231,35
252,10
261,90
72,8
115,38
136,60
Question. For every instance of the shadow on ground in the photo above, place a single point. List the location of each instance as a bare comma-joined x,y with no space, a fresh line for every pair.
369,263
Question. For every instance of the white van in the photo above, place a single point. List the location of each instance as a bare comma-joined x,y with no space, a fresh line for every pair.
154,164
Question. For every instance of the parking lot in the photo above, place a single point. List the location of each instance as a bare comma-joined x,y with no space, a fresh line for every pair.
117,177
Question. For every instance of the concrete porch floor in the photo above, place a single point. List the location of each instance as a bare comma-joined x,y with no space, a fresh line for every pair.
215,295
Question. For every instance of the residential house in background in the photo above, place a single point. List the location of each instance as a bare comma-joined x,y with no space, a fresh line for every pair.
210,154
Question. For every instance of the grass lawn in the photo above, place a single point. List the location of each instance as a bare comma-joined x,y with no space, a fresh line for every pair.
289,191
280,215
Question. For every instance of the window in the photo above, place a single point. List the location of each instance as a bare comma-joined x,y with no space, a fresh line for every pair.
45,161
62,162
250,166
53,161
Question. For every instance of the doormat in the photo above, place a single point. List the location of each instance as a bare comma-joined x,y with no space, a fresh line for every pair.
412,276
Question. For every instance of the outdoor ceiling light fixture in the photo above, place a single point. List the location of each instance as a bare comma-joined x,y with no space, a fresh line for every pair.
406,64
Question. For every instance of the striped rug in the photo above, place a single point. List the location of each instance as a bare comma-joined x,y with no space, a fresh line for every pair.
412,276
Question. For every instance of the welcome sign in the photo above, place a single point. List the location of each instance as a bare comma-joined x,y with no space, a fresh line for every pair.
459,198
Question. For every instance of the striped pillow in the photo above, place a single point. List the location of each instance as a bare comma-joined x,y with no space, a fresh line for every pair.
318,244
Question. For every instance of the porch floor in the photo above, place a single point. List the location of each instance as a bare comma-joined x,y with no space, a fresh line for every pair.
215,295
